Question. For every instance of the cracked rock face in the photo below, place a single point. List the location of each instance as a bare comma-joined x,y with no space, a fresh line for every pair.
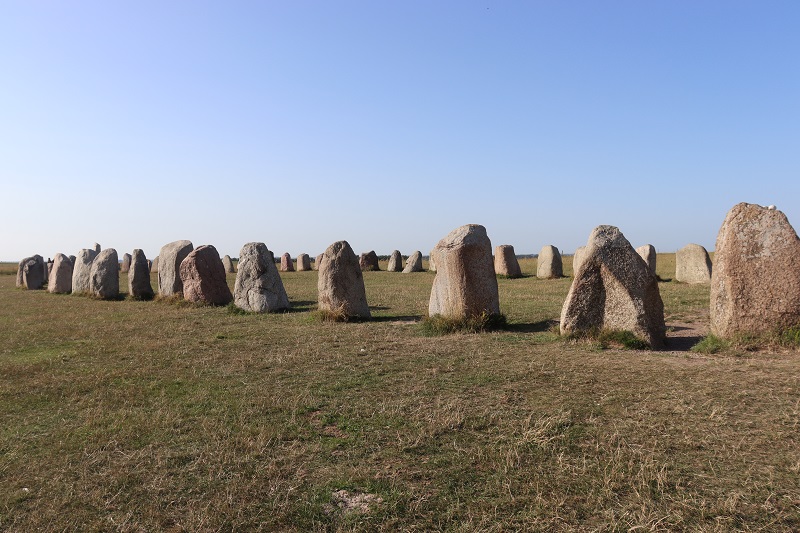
203,277
341,283
755,283
259,288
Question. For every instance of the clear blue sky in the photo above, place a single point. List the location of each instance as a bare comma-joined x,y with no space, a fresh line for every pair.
388,124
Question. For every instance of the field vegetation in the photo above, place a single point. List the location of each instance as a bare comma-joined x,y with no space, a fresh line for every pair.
161,416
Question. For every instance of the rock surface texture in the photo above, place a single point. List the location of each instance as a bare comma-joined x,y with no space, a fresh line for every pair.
692,265
465,285
369,262
139,286
648,254
755,285
33,273
286,263
549,264
395,262
203,277
413,263
303,263
340,283
613,289
60,281
81,271
505,261
104,275
169,261
258,287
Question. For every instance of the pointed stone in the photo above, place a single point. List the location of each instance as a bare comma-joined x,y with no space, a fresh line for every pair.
259,288
203,277
139,286
413,263
395,262
340,283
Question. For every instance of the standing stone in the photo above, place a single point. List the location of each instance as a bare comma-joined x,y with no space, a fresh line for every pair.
505,261
431,264
21,270
340,283
368,262
465,285
126,263
755,285
303,263
104,275
139,286
203,277
613,289
395,262
692,265
149,266
286,263
81,271
413,263
33,273
317,261
48,267
169,263
549,264
60,280
97,248
228,264
577,259
648,254
154,265
258,287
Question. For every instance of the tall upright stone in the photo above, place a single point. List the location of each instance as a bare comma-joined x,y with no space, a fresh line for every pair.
286,263
648,254
549,264
755,284
81,271
577,259
203,277
104,275
431,264
21,269
395,262
125,266
614,289
368,262
33,273
318,261
692,265
60,281
303,263
228,264
505,262
413,263
169,263
154,265
139,286
465,285
341,284
259,288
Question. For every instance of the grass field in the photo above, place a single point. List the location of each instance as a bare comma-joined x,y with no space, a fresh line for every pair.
156,416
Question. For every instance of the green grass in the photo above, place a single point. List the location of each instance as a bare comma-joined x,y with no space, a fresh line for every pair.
154,416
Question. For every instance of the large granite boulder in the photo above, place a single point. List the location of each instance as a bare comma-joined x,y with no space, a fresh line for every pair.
169,260
465,285
341,284
549,264
125,266
139,286
286,263
505,261
648,254
614,289
303,263
395,262
692,265
413,263
60,280
755,285
368,262
228,264
203,277
258,287
33,273
81,271
104,275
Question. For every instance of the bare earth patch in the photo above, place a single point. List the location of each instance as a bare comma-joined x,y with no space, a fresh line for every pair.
345,502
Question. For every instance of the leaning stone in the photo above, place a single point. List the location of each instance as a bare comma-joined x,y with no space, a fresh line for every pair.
258,287
317,261
139,286
692,265
505,261
369,262
33,273
169,260
125,266
413,263
465,285
340,283
755,285
228,264
395,262
549,264
81,271
648,254
154,265
60,280
303,263
203,277
104,275
613,289
286,263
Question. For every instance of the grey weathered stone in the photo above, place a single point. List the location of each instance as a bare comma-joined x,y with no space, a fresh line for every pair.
104,275
577,259
317,261
340,283
368,262
203,277
549,264
139,286
286,263
81,271
613,289
60,280
465,285
692,265
505,261
228,264
395,262
33,271
755,284
21,270
431,264
258,287
413,263
303,263
648,254
97,248
125,266
169,263
154,265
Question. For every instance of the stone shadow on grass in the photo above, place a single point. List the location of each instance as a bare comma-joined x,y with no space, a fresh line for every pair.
532,327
